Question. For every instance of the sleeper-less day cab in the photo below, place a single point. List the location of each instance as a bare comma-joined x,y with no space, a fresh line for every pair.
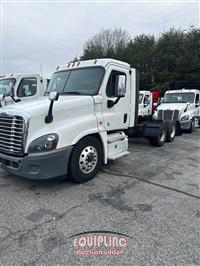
21,87
184,104
148,102
90,109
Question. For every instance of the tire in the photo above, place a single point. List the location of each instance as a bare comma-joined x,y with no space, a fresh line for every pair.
86,160
171,131
192,126
159,140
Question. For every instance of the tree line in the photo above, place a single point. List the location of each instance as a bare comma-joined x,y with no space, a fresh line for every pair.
170,61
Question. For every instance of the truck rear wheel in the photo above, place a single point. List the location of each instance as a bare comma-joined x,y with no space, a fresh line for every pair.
86,160
160,139
171,131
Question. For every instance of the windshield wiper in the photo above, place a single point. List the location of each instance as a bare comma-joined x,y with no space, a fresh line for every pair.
72,92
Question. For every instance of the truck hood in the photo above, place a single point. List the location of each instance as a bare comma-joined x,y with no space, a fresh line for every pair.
71,114
172,106
40,105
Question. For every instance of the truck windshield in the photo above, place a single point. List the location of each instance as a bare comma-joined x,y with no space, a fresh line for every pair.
5,85
184,97
140,98
83,81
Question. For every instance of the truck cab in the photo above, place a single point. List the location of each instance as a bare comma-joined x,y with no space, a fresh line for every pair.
148,102
145,104
24,86
184,104
85,118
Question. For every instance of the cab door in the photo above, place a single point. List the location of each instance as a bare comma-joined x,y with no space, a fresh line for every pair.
147,105
116,111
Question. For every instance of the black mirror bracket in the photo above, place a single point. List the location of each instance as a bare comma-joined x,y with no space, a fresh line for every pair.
111,103
49,117
15,100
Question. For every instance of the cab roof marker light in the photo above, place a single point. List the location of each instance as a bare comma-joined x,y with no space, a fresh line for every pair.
69,65
95,61
57,68
73,64
78,63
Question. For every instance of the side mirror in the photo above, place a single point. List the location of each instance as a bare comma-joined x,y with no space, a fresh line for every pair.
197,104
2,97
53,96
12,92
120,86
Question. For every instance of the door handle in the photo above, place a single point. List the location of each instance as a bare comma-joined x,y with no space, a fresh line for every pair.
125,118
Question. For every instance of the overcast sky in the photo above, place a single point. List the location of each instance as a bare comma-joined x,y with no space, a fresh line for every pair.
54,33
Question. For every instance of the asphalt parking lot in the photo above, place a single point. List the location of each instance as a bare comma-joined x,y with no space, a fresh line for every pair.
152,196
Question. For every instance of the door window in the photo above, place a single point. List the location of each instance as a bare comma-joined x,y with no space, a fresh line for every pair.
146,99
27,87
110,88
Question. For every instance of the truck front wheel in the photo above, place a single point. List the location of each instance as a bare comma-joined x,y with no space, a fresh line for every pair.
192,126
160,139
171,132
86,160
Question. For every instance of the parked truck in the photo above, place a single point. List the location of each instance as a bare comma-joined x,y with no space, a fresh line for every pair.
21,87
148,102
183,105
90,110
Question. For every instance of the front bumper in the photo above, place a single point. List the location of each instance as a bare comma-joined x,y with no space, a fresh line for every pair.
185,124
38,166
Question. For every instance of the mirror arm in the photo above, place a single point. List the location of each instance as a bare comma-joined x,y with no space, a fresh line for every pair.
110,103
49,117
15,100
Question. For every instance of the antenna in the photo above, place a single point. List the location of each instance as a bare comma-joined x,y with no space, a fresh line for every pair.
41,69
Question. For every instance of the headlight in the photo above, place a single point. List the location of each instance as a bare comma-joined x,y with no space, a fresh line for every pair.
44,143
185,117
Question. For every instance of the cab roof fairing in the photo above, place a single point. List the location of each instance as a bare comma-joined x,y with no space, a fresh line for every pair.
91,63
182,91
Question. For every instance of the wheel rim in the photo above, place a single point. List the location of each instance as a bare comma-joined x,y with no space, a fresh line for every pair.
173,132
88,159
162,135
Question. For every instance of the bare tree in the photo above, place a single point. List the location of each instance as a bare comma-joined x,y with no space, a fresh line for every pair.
106,42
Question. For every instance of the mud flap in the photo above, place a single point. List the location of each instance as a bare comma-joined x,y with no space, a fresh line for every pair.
152,128
178,129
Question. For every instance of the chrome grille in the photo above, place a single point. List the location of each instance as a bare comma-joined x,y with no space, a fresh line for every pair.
168,115
12,130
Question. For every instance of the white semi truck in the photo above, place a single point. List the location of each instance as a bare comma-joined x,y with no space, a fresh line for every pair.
21,87
90,109
184,105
